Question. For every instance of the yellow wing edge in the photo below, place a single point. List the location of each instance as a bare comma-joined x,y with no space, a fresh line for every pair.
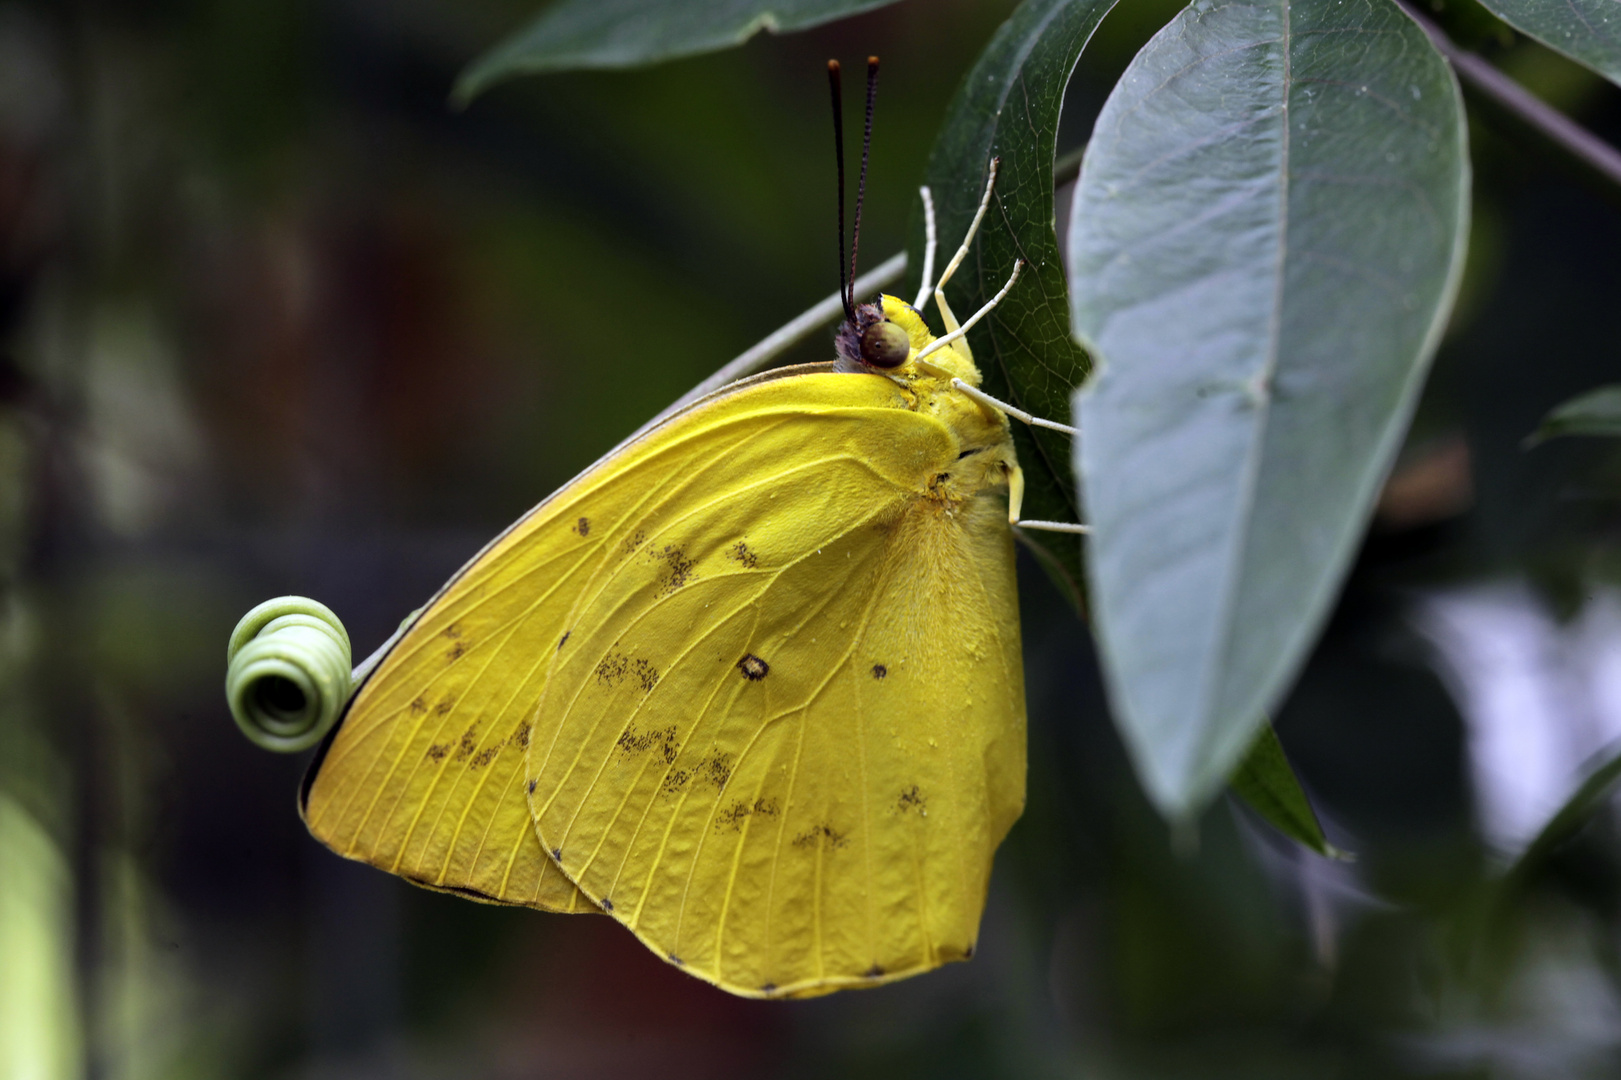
804,988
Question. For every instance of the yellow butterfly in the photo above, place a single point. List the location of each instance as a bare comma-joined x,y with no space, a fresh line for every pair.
751,684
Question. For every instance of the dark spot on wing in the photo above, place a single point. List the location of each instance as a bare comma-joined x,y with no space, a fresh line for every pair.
968,952
616,667
875,972
634,541
825,835
607,904
753,668
679,568
879,671
484,756
563,640
468,742
531,786
741,554
453,631
768,988
677,961
583,527
438,751
714,770
632,742
520,737
418,706
911,799
557,854
443,707
741,810
457,651
646,675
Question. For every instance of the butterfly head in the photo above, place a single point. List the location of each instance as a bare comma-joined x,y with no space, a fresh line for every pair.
884,337
871,340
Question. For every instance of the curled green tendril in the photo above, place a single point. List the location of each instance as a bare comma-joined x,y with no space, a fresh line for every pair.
287,673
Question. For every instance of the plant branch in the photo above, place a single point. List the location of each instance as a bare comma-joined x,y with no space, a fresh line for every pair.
1510,95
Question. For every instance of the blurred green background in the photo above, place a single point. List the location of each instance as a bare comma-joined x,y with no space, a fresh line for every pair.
275,319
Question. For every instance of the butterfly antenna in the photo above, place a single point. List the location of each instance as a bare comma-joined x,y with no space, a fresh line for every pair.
834,84
861,184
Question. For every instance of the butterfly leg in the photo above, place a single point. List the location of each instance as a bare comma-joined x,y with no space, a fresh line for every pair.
956,333
946,316
1056,526
931,242
1012,410
1015,493
1015,503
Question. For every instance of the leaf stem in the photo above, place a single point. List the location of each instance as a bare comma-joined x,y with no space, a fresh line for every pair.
1516,99
1068,167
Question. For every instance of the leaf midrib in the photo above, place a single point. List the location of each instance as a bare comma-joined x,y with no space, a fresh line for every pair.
1244,514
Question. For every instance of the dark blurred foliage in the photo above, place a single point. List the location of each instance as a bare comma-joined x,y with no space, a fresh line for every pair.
275,319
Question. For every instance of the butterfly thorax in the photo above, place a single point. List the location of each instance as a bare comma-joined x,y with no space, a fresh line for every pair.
985,445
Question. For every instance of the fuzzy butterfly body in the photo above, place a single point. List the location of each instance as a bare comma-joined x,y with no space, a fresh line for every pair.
751,685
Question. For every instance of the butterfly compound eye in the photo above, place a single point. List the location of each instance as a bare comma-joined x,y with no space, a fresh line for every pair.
885,345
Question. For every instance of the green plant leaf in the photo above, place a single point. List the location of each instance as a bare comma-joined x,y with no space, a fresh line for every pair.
1597,412
1266,239
1024,348
1587,31
1007,107
1589,796
1267,782
628,33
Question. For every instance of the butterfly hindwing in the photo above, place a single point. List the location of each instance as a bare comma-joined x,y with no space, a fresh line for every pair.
785,732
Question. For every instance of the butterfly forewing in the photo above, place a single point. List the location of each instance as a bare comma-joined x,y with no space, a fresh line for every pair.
785,731
424,776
